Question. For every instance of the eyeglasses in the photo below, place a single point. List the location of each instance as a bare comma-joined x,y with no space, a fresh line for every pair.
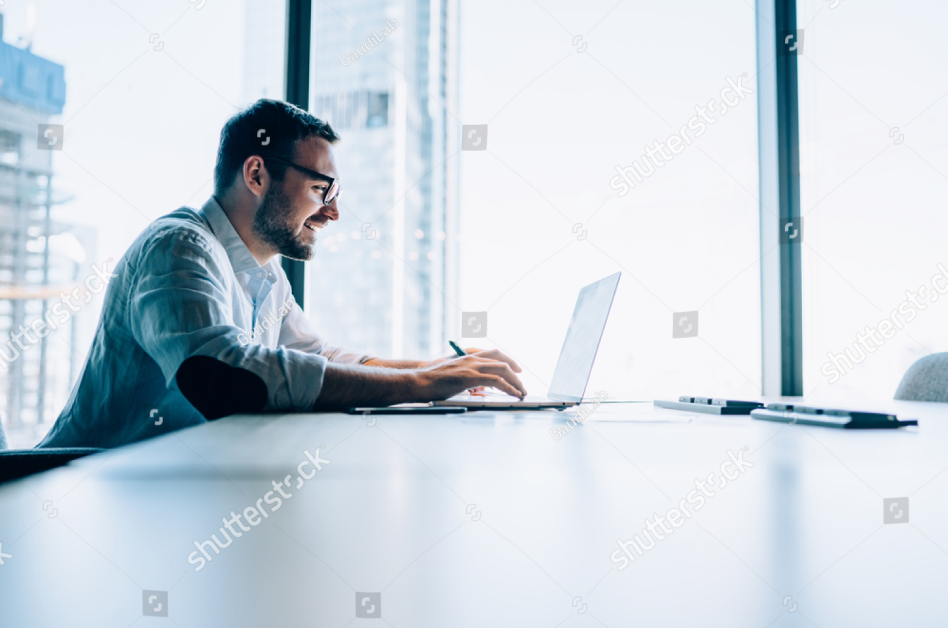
329,194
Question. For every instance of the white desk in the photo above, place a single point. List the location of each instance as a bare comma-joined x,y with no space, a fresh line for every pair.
486,520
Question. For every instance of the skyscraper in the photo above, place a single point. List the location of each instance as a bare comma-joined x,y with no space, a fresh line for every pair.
382,76
39,257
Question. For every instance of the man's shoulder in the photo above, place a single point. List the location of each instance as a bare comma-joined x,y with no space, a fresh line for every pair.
183,222
184,225
182,233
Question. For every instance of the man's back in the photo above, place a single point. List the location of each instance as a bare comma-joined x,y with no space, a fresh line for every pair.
120,384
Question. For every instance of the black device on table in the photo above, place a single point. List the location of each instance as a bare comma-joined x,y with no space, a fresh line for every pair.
709,405
828,417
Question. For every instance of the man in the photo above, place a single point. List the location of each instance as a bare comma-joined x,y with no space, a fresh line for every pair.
199,321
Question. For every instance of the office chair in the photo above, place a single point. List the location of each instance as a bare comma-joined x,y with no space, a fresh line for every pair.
926,380
19,463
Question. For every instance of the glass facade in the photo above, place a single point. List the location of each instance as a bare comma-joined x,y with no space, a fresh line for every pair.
379,281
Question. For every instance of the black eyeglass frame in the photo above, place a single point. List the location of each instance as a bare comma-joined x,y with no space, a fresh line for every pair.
333,183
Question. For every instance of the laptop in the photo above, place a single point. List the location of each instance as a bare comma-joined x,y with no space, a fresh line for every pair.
574,364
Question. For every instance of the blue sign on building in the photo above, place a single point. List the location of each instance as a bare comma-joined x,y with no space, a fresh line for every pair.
31,81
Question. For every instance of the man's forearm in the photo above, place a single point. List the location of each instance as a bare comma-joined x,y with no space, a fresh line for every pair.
394,364
352,385
349,385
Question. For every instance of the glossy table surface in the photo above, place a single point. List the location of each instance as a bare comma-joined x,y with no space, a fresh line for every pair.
486,519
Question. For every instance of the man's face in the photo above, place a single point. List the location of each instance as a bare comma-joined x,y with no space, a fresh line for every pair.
292,210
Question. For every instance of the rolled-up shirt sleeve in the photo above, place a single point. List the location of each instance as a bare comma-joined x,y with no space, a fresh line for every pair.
179,309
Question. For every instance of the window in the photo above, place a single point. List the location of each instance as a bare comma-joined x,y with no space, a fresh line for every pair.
577,91
873,171
379,281
600,144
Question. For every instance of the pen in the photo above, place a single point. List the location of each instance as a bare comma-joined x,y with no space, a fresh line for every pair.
461,353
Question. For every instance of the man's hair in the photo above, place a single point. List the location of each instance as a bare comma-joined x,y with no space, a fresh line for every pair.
269,128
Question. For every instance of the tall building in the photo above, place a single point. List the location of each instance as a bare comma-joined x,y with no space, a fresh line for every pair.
382,76
39,256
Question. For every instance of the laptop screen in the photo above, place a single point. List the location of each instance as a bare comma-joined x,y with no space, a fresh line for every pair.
582,340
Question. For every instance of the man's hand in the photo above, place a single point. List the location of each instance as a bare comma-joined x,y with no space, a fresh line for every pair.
492,354
447,378
346,386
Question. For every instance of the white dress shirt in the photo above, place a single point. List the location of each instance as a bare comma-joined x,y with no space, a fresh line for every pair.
188,286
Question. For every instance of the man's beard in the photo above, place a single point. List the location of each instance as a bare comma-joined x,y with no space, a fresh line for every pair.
270,225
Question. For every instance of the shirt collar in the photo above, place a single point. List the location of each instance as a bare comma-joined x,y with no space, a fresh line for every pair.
240,258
